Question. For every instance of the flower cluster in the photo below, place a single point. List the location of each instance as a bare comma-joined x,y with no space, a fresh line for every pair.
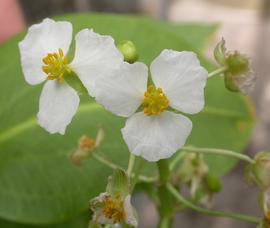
155,129
194,172
44,58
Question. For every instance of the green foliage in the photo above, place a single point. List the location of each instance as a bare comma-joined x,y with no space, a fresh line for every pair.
38,183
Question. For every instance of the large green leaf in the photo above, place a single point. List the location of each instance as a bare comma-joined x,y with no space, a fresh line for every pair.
38,183
79,222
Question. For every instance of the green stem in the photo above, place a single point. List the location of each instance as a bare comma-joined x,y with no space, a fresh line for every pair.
135,175
131,163
113,166
229,153
177,158
194,207
105,161
166,203
217,72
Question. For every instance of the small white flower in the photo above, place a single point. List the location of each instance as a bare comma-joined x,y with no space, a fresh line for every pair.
43,57
156,133
114,210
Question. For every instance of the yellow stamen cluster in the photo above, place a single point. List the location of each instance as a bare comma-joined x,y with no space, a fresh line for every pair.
155,101
56,65
114,209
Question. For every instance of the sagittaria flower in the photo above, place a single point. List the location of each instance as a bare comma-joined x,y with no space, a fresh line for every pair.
156,132
114,206
44,58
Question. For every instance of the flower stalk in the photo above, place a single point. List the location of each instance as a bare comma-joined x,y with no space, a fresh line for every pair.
131,163
217,71
194,207
215,151
165,207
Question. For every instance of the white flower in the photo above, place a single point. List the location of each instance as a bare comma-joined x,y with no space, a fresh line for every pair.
43,57
156,133
114,210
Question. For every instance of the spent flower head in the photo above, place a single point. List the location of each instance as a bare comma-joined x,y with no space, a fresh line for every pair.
114,206
44,57
238,75
259,172
85,147
264,201
156,132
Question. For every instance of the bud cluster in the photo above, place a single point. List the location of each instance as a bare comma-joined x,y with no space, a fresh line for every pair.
194,173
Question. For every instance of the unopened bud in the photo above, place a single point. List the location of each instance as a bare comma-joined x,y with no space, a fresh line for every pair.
128,49
213,183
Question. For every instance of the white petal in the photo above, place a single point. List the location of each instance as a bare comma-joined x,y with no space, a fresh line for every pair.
156,137
123,92
41,39
96,56
130,212
57,105
182,78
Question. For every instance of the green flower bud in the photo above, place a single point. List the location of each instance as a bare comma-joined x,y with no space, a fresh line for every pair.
213,183
220,52
128,49
260,171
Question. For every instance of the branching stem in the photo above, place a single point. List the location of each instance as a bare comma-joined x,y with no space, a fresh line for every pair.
194,207
215,151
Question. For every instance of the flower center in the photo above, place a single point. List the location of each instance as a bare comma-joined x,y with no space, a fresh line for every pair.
155,101
56,65
114,209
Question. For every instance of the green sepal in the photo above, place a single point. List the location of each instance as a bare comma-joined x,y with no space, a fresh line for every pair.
118,183
230,82
220,52
94,225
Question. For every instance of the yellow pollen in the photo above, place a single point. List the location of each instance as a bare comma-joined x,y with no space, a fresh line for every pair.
155,101
56,65
114,209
